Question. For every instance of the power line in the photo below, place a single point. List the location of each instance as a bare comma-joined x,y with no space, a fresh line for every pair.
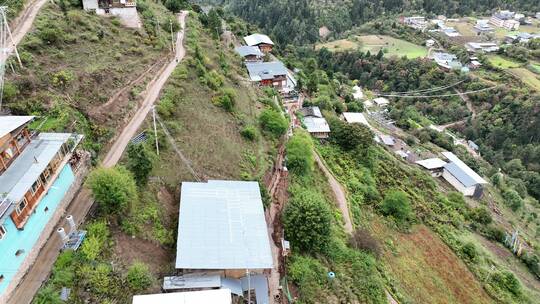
429,90
443,95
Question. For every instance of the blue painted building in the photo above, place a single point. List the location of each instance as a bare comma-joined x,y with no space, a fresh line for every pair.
35,175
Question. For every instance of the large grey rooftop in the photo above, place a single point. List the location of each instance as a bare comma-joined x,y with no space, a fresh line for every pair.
461,171
265,70
222,226
246,50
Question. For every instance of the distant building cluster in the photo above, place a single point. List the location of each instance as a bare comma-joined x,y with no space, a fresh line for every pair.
507,20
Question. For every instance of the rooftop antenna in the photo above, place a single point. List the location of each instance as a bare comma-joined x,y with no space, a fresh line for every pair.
5,48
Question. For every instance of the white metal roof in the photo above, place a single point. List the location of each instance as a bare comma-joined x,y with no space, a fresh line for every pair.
316,125
11,123
215,296
387,140
381,101
431,163
222,226
246,50
352,117
461,171
257,39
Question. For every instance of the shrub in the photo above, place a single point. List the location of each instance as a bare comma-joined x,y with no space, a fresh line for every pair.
308,274
273,122
113,188
469,252
48,295
512,198
139,277
363,240
495,233
481,215
300,153
307,221
99,279
506,280
51,35
62,78
397,204
227,99
249,133
140,162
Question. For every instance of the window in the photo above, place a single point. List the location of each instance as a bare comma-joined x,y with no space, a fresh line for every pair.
35,187
3,231
21,206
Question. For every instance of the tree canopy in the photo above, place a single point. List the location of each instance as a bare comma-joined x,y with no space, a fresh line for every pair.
113,188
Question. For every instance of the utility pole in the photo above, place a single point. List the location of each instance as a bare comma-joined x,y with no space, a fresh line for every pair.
155,129
249,286
6,25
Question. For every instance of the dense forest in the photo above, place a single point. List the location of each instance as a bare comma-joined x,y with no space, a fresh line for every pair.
298,21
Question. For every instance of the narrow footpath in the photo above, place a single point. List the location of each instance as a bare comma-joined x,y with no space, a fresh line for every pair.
83,201
339,193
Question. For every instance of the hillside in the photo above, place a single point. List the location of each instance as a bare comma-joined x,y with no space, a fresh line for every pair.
195,132
298,22
83,72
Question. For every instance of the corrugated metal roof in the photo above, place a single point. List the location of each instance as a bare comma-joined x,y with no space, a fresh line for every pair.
316,125
257,39
28,166
311,111
431,163
461,171
215,296
352,117
387,140
10,123
222,226
265,70
246,50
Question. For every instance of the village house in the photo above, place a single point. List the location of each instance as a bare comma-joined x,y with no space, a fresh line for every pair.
351,117
273,74
481,47
447,61
538,15
250,53
214,296
381,102
505,19
416,22
483,27
126,10
474,64
315,123
435,166
222,237
36,172
387,140
451,32
520,37
263,42
430,42
462,177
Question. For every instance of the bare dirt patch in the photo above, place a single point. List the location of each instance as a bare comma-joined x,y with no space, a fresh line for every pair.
428,271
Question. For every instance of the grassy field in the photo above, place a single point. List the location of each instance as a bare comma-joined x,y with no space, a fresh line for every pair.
502,62
374,43
528,77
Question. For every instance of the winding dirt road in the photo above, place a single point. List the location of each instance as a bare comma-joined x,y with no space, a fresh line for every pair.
151,95
23,23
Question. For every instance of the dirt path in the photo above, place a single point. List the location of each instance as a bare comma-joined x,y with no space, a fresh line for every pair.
339,192
468,102
23,23
151,95
82,203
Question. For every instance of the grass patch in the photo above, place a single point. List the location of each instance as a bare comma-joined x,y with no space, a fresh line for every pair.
528,77
503,63
374,43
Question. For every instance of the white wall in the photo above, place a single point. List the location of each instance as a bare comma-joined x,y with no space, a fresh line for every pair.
90,5
467,191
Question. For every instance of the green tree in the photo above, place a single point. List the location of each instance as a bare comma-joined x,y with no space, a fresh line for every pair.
273,122
300,153
397,204
113,188
140,162
350,136
307,221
